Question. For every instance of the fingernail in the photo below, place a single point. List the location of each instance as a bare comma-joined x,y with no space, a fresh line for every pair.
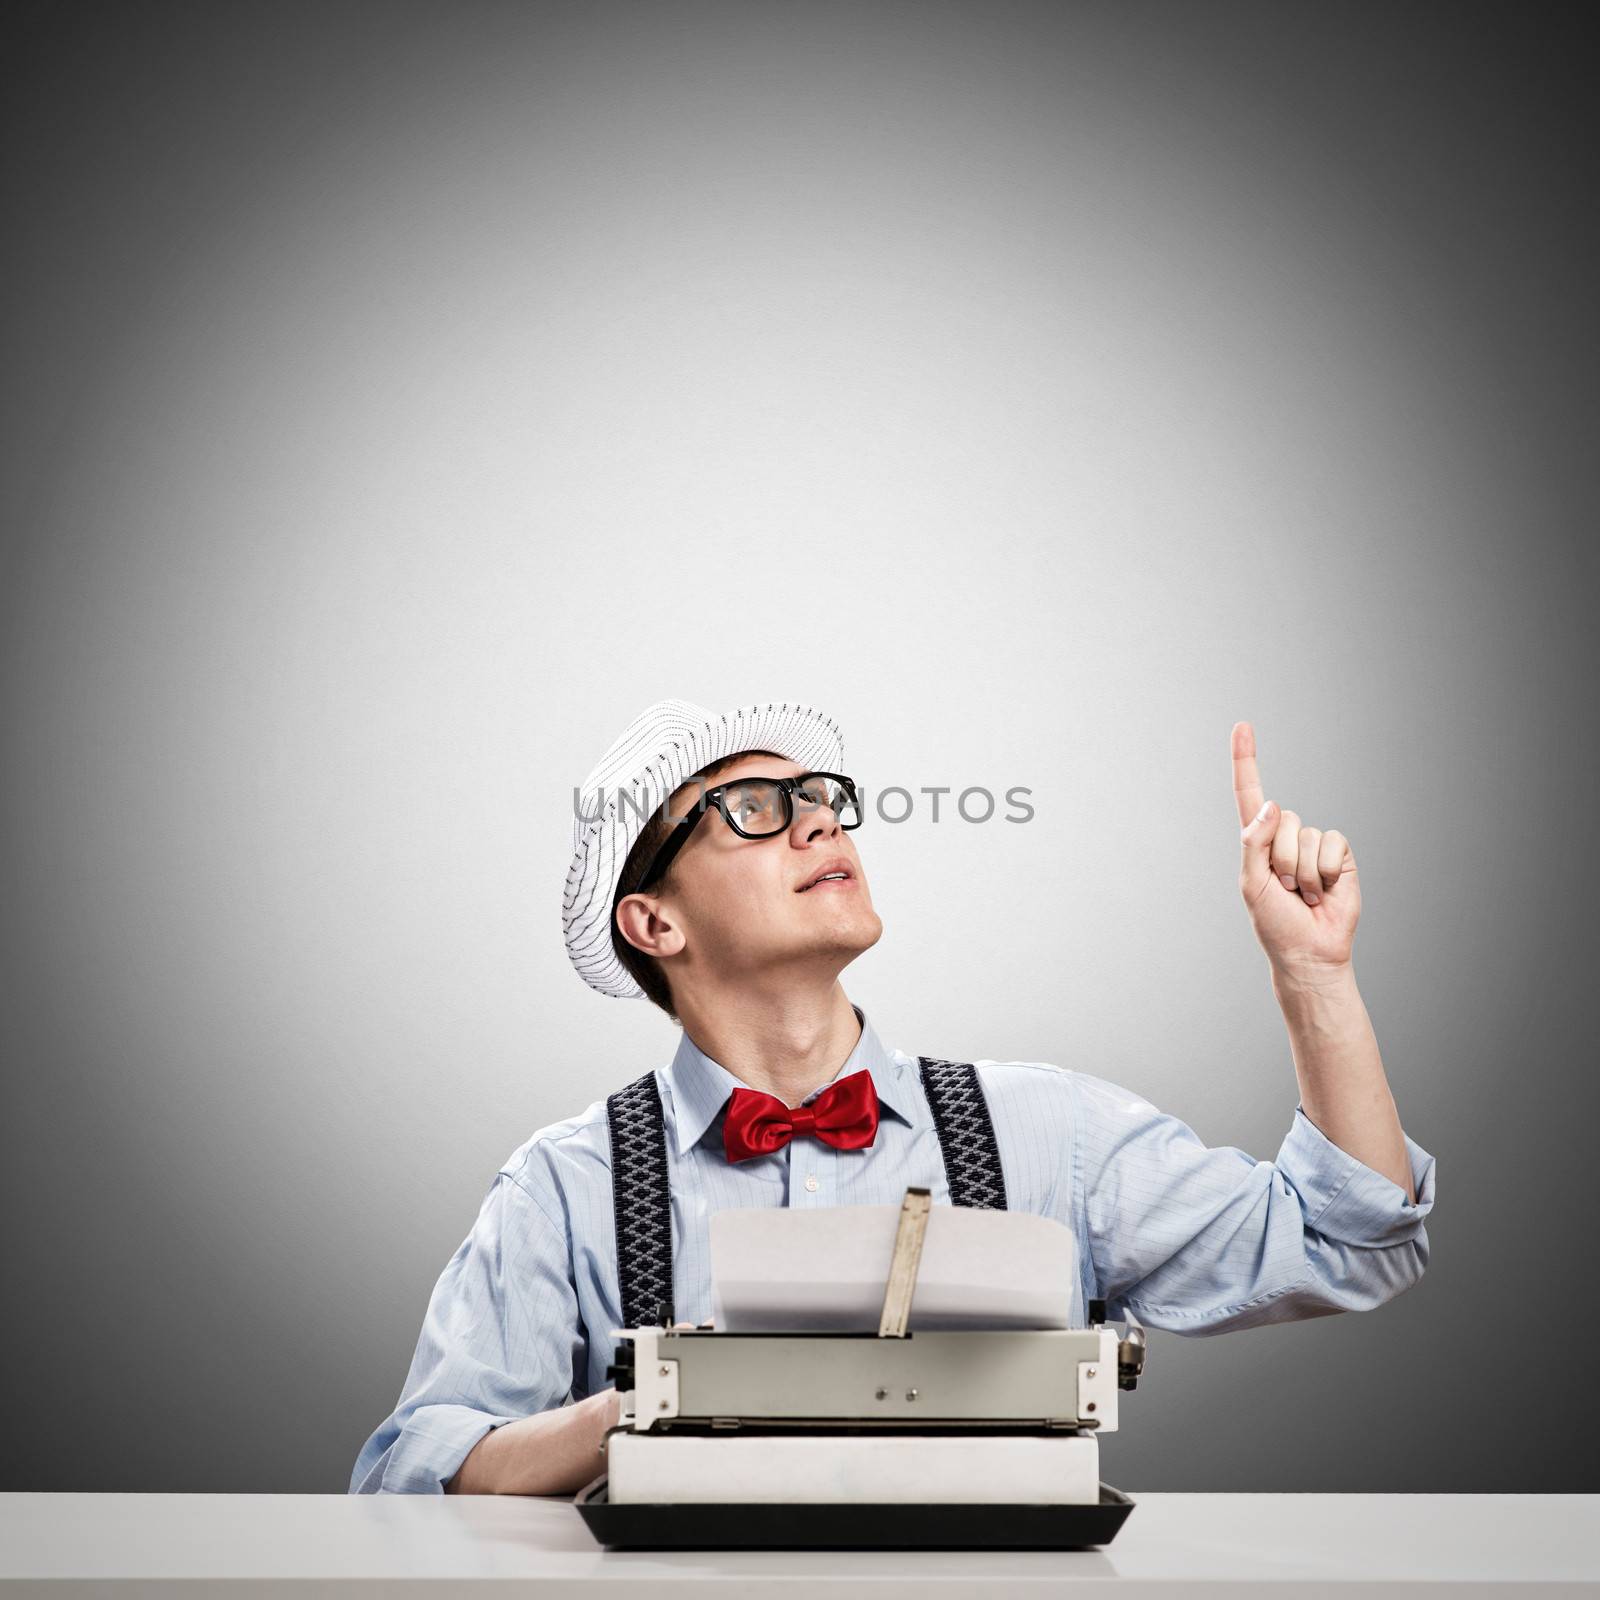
1313,899
1286,880
1263,811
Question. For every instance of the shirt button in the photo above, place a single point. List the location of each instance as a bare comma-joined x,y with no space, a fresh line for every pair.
811,1183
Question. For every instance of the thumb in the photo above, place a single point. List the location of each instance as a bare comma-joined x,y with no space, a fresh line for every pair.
1256,840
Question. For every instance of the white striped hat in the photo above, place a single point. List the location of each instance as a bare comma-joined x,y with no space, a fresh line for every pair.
659,751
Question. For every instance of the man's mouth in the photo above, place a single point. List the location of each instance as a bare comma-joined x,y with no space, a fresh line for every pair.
831,878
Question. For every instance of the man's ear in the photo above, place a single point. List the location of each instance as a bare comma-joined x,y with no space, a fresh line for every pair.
646,923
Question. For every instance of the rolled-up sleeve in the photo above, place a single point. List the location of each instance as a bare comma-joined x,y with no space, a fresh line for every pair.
1200,1239
499,1341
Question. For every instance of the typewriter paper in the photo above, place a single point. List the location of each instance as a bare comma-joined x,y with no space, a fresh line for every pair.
786,1271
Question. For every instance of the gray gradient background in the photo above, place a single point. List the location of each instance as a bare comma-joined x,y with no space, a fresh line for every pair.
398,397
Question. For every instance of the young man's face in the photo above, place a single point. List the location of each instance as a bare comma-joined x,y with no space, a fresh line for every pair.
739,904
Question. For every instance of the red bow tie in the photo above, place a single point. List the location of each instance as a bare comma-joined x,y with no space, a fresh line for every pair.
844,1115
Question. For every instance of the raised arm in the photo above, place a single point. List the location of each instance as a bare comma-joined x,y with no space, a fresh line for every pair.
1198,1239
1301,889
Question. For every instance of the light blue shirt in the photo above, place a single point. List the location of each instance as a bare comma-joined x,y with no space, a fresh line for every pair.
1191,1239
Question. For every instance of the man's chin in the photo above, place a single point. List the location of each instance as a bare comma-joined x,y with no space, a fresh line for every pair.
859,935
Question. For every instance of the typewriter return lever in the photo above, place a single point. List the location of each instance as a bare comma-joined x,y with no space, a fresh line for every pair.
1130,1352
903,1264
1130,1348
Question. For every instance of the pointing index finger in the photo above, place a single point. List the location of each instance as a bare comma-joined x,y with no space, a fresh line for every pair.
1246,779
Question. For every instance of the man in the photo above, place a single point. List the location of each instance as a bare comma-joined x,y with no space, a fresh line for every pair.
714,872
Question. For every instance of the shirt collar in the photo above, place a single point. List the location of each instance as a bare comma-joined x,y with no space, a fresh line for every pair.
701,1087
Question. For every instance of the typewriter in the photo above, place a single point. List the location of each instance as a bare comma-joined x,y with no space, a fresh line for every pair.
901,1438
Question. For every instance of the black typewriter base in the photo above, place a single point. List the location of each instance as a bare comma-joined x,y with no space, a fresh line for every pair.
851,1526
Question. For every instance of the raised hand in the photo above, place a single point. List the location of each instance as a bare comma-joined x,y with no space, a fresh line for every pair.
1299,884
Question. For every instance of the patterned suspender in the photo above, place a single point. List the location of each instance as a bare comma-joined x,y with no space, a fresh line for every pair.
643,1199
643,1202
966,1133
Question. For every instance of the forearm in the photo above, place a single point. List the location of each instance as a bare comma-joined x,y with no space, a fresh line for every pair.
1343,1088
551,1452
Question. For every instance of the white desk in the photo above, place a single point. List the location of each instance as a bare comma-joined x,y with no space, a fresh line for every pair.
67,1545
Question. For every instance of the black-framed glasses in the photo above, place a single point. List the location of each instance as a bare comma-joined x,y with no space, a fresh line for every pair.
759,808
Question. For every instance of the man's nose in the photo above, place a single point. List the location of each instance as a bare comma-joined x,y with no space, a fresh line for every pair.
815,820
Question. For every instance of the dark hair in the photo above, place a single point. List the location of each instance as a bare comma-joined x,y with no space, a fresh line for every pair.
645,970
